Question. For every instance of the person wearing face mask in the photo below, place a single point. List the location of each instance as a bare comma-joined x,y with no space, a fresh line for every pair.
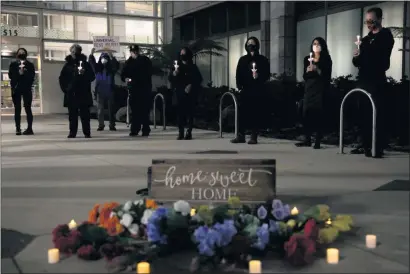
186,80
317,75
105,71
75,81
21,75
137,73
252,72
373,60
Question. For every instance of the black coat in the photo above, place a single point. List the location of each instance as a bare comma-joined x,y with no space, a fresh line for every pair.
21,83
317,83
139,70
76,87
188,74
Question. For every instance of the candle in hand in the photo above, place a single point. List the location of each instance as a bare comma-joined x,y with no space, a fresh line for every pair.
72,224
176,64
143,268
332,256
53,256
80,67
255,267
21,65
294,211
358,42
311,58
371,241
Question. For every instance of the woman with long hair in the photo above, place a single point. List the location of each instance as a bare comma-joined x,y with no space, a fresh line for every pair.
317,75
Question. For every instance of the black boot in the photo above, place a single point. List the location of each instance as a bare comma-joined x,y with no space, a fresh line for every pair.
100,128
181,134
18,131
240,139
188,135
306,143
112,128
28,131
317,142
253,140
71,135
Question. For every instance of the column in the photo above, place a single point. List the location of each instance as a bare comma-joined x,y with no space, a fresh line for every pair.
283,38
406,42
265,28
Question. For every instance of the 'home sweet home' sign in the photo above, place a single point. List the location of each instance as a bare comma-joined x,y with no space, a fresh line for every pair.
212,180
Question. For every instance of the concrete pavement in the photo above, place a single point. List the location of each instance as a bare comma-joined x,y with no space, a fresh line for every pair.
48,180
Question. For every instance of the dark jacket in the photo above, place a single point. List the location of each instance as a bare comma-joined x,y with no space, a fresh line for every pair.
374,58
21,83
104,75
244,77
139,70
188,74
317,82
76,87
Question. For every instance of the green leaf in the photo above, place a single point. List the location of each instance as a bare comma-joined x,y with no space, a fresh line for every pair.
328,235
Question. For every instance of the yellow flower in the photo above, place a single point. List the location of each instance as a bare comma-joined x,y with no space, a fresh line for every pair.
323,212
328,235
291,223
343,223
234,202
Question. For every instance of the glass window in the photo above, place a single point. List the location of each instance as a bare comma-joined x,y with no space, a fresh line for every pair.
95,6
19,24
256,33
218,19
58,26
187,28
306,31
254,13
237,15
9,19
144,8
58,51
202,24
133,31
219,66
236,51
27,20
159,9
87,27
160,37
61,5
342,29
392,17
204,65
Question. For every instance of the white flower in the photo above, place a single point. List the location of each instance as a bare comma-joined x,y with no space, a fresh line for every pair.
138,202
127,206
120,213
112,214
134,229
126,220
145,217
182,207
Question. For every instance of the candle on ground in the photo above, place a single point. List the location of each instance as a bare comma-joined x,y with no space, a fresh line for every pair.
72,224
255,267
329,221
332,256
53,256
371,241
294,211
193,212
143,268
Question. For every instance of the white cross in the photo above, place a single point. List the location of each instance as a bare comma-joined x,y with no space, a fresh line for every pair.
80,67
176,65
21,65
310,58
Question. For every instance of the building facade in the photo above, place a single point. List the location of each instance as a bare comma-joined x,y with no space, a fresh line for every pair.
48,28
286,30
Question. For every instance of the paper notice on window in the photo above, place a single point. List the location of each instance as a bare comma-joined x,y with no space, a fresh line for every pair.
5,77
106,43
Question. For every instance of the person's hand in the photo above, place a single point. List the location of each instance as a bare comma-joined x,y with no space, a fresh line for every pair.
110,54
92,51
188,88
175,72
314,67
356,53
309,68
81,71
21,71
255,75
127,80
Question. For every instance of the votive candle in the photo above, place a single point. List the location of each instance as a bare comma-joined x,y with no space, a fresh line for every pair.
53,256
255,267
193,212
332,256
143,268
72,224
371,241
294,211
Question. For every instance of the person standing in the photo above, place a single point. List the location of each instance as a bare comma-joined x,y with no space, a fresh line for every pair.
185,79
105,71
252,72
137,73
21,75
317,75
373,60
75,81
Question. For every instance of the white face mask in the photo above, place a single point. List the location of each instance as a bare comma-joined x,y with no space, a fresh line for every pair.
317,48
104,61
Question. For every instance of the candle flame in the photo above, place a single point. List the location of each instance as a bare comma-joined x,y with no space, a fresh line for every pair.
329,221
193,212
294,211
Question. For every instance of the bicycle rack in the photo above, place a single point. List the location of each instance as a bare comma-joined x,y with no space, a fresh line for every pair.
235,101
163,110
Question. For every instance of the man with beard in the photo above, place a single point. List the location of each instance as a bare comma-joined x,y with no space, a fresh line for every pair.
373,60
21,75
75,81
137,73
252,72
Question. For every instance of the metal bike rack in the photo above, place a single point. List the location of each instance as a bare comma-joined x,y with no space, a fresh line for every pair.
235,101
374,120
163,110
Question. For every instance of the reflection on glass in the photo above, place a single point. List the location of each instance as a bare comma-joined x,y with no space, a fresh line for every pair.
58,26
134,7
57,51
236,50
19,24
134,31
219,66
160,37
95,6
61,5
90,26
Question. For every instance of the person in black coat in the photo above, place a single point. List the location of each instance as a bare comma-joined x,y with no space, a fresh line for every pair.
75,81
137,73
252,72
185,79
317,75
21,75
373,60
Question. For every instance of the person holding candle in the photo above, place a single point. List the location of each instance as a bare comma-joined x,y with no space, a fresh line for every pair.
317,76
373,60
21,75
137,73
75,81
252,72
185,79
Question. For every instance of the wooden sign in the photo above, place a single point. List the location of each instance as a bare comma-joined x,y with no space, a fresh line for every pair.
212,180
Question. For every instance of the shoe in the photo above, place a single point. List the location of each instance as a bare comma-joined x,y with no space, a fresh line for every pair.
133,134
87,136
357,151
18,132
316,146
304,144
367,153
112,128
240,139
28,131
252,141
71,136
100,128
180,137
145,133
188,136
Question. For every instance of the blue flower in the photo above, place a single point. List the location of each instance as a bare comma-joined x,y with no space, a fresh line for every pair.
273,226
280,211
226,230
205,249
262,212
153,229
207,239
263,237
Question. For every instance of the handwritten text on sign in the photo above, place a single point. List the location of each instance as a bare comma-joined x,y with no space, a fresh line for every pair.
108,43
213,180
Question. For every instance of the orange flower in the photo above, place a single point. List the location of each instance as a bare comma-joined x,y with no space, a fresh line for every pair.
151,204
106,212
113,226
93,214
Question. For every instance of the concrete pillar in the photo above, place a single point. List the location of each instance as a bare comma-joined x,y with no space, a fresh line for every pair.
265,28
406,42
283,38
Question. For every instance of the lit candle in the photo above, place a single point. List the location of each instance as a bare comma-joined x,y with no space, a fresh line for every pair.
294,211
254,70
253,66
371,241
80,67
143,268
311,58
255,267
176,64
53,256
332,256
72,224
193,212
329,222
21,65
358,41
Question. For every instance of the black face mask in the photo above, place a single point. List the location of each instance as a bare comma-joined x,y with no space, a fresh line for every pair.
184,57
22,56
251,47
